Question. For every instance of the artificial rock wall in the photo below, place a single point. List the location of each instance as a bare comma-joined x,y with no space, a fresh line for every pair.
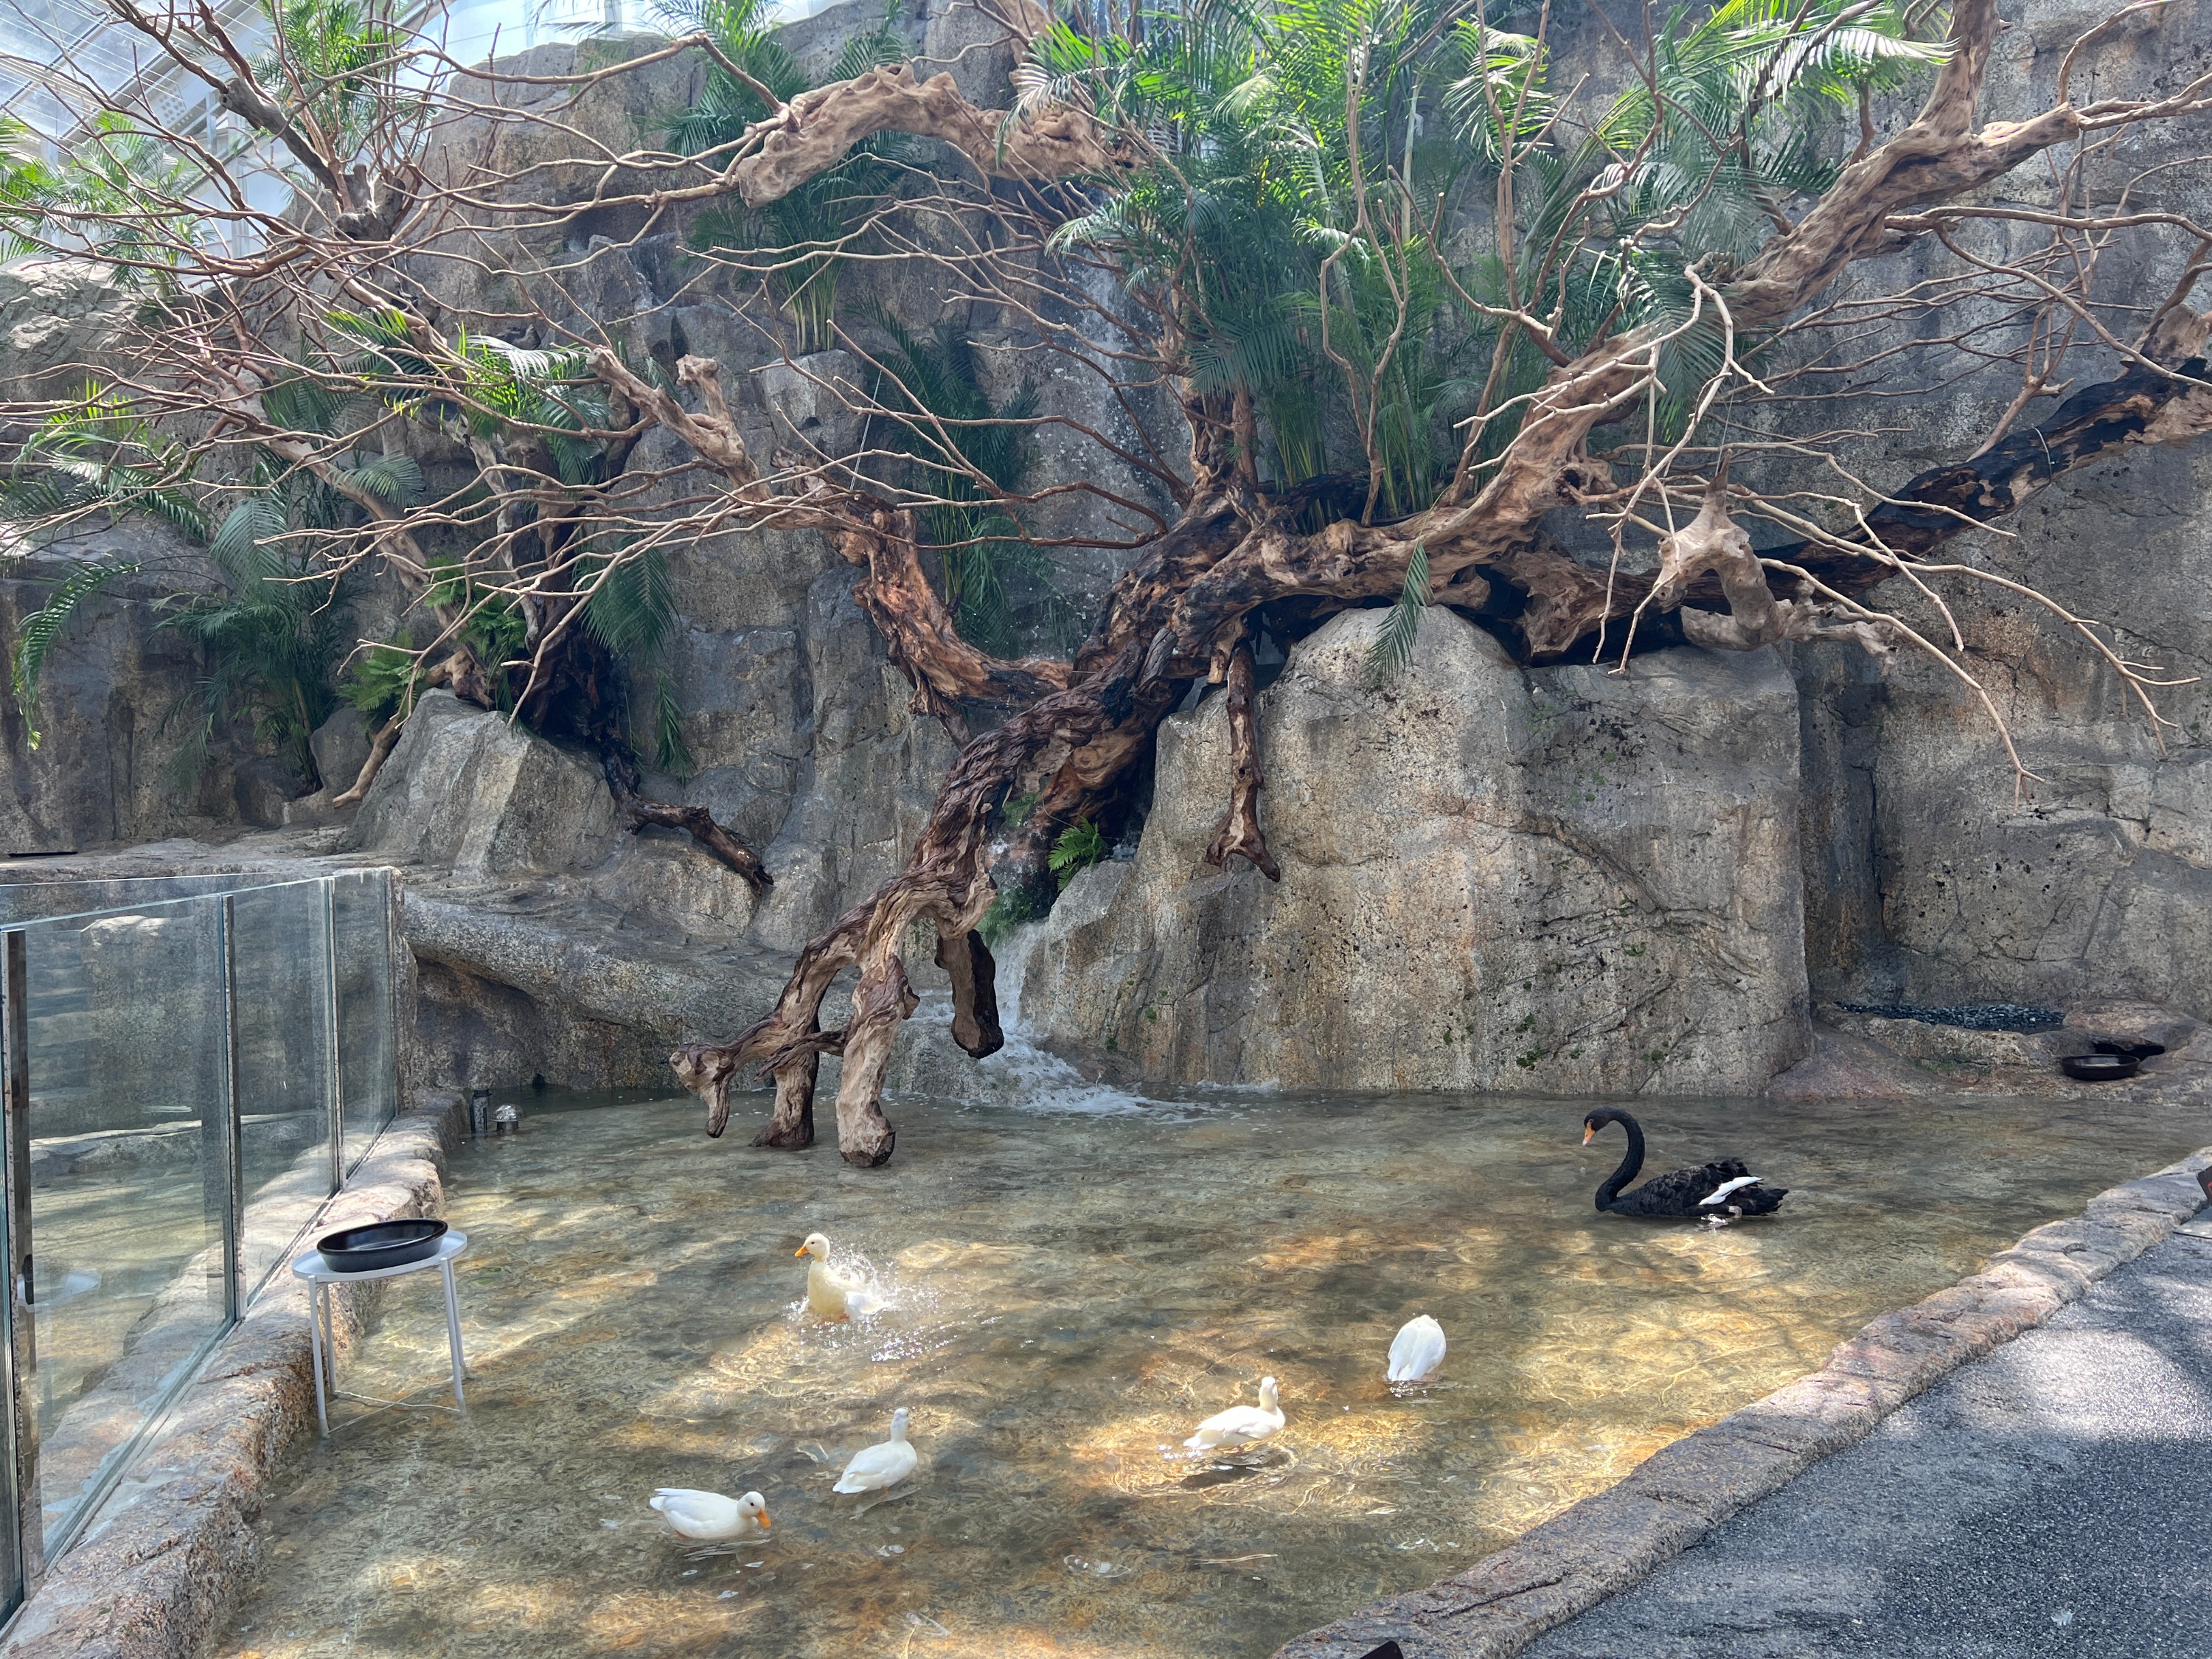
1627,883
1561,881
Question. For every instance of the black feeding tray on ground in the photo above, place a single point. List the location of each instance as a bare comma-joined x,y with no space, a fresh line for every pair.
2100,1068
385,1244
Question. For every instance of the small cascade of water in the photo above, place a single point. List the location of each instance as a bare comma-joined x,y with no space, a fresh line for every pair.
1022,1073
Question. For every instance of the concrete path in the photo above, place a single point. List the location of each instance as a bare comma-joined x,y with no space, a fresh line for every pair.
2054,1498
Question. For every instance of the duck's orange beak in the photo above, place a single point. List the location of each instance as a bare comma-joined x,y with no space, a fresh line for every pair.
765,1522
801,1250
1589,1134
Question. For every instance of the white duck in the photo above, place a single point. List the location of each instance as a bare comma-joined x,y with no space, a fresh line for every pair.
881,1466
832,1294
1417,1352
709,1515
1240,1425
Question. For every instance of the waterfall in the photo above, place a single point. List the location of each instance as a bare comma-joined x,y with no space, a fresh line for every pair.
1026,1075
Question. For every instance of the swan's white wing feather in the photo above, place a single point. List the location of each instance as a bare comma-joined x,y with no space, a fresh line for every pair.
1417,1353
1728,1187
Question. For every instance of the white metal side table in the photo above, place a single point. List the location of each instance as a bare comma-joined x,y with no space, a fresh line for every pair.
309,1266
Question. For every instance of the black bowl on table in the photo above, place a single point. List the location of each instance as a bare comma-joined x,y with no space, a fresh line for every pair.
2100,1068
382,1244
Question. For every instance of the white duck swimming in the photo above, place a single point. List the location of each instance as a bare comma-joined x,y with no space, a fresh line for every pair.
709,1515
832,1294
1417,1352
881,1466
1240,1425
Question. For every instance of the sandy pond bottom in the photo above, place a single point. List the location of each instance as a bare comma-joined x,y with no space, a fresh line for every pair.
1072,1292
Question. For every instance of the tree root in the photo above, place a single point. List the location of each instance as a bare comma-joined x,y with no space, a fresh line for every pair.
1231,552
1240,832
380,750
974,974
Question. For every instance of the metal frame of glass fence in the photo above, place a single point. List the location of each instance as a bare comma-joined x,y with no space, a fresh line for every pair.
301,929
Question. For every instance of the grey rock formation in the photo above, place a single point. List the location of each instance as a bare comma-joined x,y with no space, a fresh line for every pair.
2097,879
340,745
871,773
506,994
1561,881
262,789
103,770
58,320
466,791
1923,879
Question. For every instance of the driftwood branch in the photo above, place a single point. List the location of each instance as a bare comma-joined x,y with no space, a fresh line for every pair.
818,129
1240,832
698,823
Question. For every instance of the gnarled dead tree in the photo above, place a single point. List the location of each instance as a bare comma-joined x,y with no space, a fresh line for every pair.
1237,549
1235,244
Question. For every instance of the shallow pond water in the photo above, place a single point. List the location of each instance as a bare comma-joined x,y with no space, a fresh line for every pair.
1072,1293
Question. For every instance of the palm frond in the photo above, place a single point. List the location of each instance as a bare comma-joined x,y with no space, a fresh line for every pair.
40,630
633,610
670,754
395,480
1392,649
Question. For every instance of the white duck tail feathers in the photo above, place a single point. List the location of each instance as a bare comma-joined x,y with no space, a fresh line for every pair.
1417,1353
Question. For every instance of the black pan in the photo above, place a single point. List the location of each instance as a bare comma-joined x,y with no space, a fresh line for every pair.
2100,1068
383,1245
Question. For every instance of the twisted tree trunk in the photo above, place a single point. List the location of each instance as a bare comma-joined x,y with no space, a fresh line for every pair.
1187,602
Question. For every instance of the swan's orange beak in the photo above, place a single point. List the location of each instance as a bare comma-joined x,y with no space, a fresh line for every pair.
801,1250
1589,1134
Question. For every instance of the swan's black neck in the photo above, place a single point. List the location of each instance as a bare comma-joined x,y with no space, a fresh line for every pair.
1629,1165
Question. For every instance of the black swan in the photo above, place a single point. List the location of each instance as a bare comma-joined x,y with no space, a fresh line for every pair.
1719,1192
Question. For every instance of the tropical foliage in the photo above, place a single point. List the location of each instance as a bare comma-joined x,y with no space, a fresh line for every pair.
632,611
272,634
1078,847
1314,161
967,452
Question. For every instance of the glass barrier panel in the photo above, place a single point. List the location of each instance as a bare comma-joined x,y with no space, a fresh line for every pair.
27,899
129,1180
369,1065
280,962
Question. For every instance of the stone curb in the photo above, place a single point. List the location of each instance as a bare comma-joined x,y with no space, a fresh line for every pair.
1613,1539
151,1575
